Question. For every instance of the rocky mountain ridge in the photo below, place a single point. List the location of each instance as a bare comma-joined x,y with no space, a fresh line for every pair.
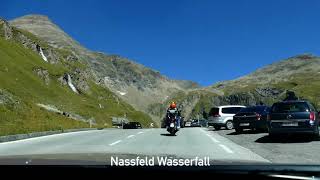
149,91
136,84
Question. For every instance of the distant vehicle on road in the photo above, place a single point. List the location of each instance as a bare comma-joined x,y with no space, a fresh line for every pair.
222,116
203,123
295,116
253,117
195,123
187,124
132,125
199,123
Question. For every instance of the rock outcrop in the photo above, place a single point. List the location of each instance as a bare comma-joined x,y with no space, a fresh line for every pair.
43,74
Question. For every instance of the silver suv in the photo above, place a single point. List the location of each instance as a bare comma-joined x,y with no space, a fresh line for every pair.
222,116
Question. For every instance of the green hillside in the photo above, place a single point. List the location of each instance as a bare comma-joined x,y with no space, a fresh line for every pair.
21,89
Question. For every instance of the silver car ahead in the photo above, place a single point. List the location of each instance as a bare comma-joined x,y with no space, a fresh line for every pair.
222,116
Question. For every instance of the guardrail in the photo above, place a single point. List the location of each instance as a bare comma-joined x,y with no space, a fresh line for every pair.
38,134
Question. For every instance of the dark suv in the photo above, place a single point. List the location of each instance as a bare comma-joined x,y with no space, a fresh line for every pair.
293,117
253,117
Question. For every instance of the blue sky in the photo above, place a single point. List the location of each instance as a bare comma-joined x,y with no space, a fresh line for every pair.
201,40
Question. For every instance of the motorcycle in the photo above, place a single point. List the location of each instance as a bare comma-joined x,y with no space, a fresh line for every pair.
172,128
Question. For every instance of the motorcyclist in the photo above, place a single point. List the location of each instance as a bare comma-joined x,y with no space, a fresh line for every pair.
173,108
290,95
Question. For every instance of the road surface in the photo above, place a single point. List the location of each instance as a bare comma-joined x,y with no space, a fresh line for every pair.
189,143
295,149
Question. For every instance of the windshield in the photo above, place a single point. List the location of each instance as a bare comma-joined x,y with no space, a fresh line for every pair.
162,81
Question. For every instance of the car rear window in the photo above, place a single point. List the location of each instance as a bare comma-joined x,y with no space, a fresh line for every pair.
231,110
290,107
214,111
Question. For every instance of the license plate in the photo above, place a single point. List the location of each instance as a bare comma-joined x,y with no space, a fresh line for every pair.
244,124
290,124
172,125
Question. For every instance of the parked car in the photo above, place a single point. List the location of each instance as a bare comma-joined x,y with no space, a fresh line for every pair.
222,116
203,123
132,125
293,117
253,117
187,124
195,123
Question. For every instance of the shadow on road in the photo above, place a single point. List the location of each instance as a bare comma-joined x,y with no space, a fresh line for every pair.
287,139
246,132
213,129
167,134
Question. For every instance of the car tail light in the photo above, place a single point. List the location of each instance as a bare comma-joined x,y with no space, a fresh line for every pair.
258,116
312,116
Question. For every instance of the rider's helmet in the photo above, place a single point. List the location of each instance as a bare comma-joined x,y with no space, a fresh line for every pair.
173,105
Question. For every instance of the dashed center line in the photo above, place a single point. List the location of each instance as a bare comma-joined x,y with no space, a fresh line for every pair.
226,148
130,136
114,143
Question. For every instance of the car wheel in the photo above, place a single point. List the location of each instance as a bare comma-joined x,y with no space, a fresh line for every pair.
238,130
229,125
217,127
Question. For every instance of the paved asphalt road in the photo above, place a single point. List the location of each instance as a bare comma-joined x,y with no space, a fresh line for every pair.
296,149
189,143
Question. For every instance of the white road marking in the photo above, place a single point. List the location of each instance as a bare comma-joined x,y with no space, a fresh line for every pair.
203,130
225,148
46,137
140,132
213,139
130,136
291,177
114,143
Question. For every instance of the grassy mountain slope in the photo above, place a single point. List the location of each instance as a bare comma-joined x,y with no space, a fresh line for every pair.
299,73
21,88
